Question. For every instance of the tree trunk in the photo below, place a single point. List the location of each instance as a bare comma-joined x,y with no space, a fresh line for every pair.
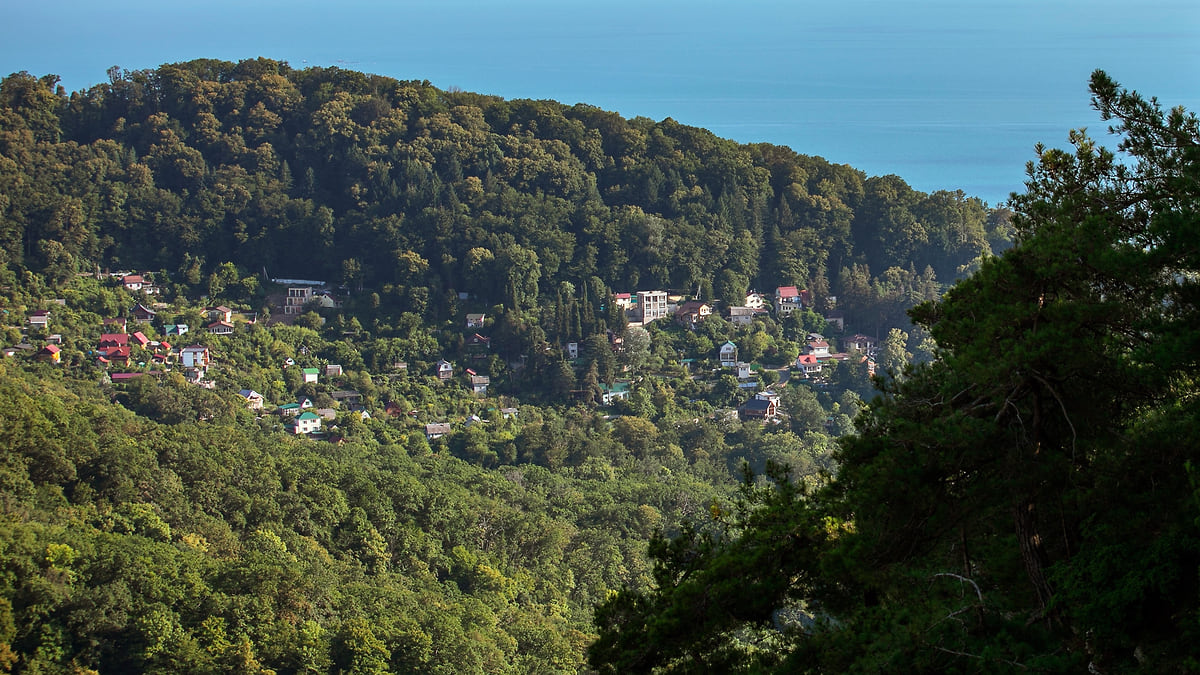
1033,552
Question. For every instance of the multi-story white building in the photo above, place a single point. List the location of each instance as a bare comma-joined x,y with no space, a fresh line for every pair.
297,297
652,305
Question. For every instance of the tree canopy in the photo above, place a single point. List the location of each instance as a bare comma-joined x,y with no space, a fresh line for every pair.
1025,501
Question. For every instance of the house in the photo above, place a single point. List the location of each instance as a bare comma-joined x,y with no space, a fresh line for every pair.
863,343
836,318
444,370
808,364
728,355
817,348
110,340
623,300
743,316
479,384
327,414
692,312
175,329
195,356
139,338
310,374
478,343
787,300
288,409
297,297
743,371
619,391
436,430
475,320
219,313
508,413
119,378
572,350
254,400
755,300
39,319
55,339
117,355
117,324
652,305
393,409
758,408
348,398
305,403
306,423
325,300
220,328
143,313
133,282
50,354
333,370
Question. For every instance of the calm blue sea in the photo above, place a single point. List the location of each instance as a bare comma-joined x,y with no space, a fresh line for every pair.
946,94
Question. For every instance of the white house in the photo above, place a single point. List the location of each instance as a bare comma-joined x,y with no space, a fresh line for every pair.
808,364
254,400
862,343
653,305
306,423
195,356
818,348
729,355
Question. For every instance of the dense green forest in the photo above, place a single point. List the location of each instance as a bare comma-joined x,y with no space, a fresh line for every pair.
1027,502
415,192
1019,498
156,525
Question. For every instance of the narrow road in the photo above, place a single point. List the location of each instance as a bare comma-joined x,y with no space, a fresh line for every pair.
784,373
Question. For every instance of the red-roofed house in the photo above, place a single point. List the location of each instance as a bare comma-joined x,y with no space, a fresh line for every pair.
50,354
133,282
117,354
220,328
108,340
140,340
143,313
808,364
787,300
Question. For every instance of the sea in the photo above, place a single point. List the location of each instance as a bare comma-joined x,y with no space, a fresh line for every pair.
948,95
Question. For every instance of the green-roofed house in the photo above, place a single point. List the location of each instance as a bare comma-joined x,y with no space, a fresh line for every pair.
310,374
619,391
306,422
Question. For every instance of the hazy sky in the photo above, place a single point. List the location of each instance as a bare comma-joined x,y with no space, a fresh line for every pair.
946,94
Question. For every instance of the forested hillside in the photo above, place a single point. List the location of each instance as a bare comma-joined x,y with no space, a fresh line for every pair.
447,457
1027,502
413,191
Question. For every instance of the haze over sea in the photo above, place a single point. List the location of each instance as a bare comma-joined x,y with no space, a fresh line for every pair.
946,94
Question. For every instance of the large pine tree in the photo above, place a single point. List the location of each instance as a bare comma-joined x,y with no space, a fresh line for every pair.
1026,501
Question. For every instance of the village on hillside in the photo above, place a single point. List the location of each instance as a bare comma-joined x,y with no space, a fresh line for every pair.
313,395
